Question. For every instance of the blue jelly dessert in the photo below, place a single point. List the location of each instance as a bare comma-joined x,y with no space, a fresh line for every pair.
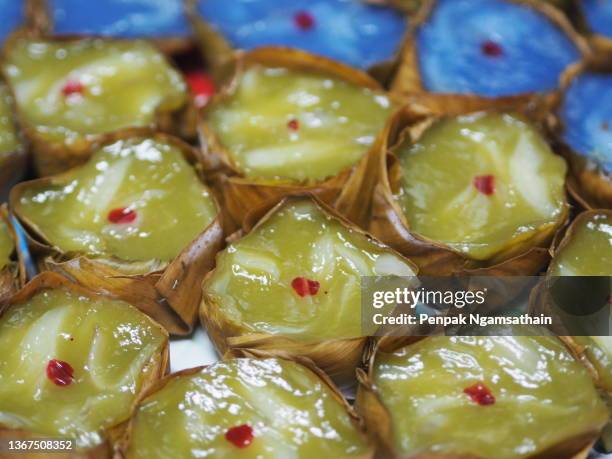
586,114
349,31
120,18
598,16
491,48
12,14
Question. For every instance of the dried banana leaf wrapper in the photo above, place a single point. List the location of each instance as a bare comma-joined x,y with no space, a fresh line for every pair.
52,157
13,275
541,301
336,357
157,367
389,224
218,53
168,292
408,81
379,422
349,191
124,443
587,183
40,15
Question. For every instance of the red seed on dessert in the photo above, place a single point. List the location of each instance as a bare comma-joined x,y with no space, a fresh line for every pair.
485,184
293,124
479,393
304,287
240,436
121,216
313,287
73,87
491,49
304,20
59,372
201,86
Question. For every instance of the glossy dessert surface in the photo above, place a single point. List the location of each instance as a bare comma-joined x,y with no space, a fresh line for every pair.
245,408
120,18
491,48
13,15
7,244
504,397
598,15
586,114
588,251
294,125
9,140
351,32
598,349
67,89
136,199
306,261
479,183
75,366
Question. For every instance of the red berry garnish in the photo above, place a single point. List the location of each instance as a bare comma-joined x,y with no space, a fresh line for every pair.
201,86
480,394
491,49
240,436
73,87
293,124
304,20
485,184
304,287
121,215
60,372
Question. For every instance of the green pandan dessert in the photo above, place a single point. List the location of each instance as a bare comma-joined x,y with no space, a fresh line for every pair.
70,91
587,248
286,122
281,123
9,140
137,199
12,153
303,258
486,186
246,408
77,363
505,397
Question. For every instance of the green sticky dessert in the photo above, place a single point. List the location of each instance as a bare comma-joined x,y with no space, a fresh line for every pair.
69,91
305,260
588,247
77,363
586,251
292,124
246,408
13,156
9,141
504,397
481,185
137,199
